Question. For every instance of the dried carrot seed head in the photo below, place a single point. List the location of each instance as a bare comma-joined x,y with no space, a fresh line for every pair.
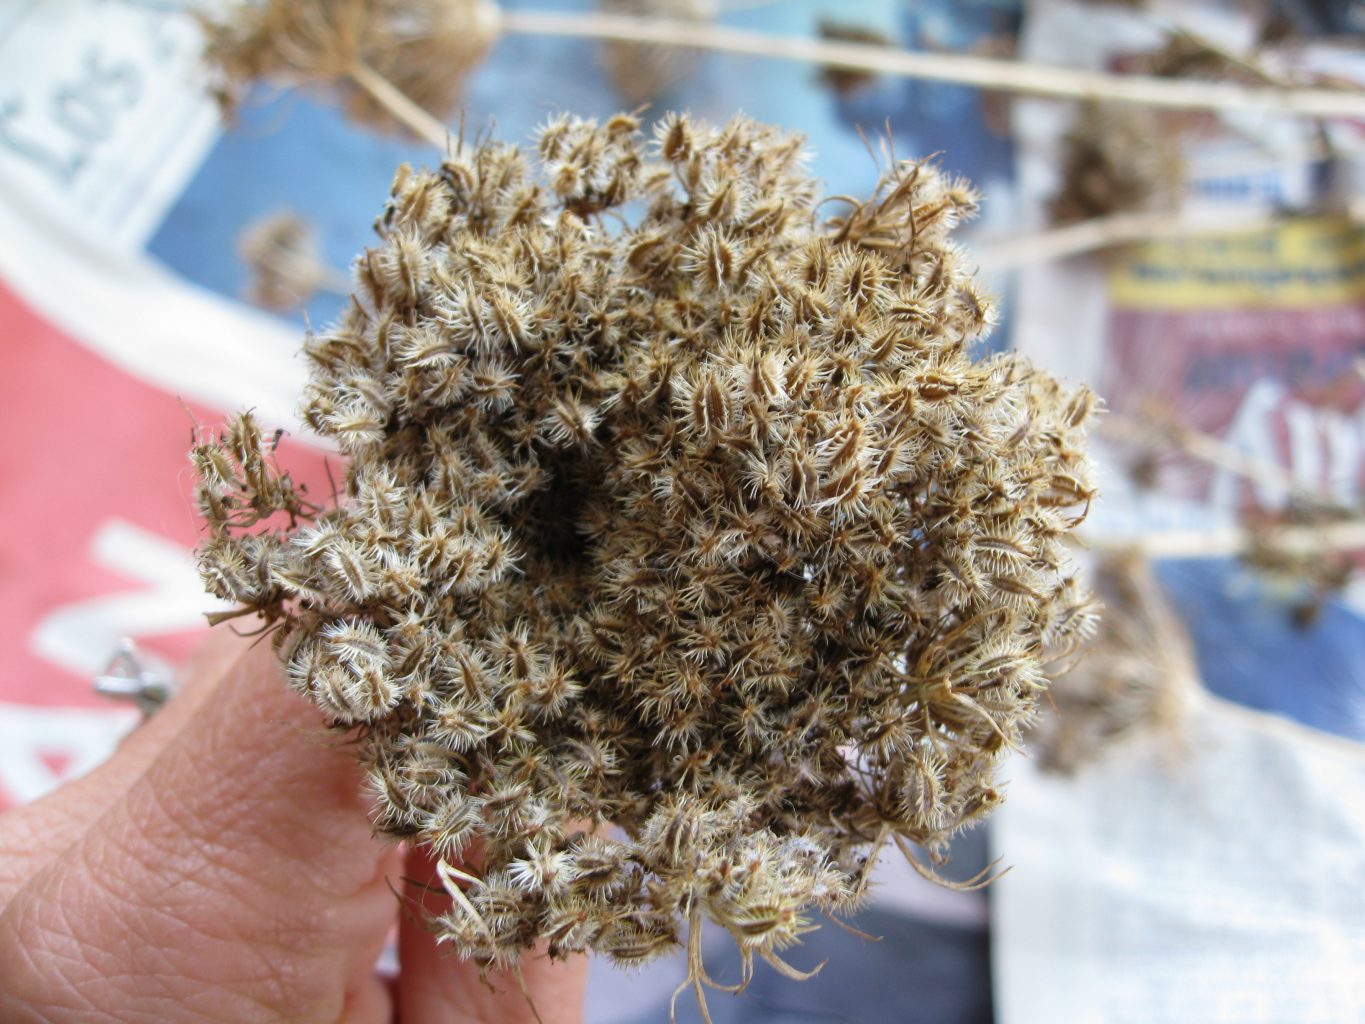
425,48
672,511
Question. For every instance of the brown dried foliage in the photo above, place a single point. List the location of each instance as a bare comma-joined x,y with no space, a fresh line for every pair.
847,81
1118,159
1305,580
1137,677
671,511
425,48
642,72
281,253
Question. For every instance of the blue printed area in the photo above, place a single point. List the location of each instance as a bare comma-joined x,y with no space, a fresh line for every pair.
296,151
1250,650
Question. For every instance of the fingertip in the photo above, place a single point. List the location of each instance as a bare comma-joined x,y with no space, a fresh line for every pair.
368,1002
435,986
242,859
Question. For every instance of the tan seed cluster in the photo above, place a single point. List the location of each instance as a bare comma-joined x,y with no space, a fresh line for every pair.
283,261
1137,676
1119,159
685,558
424,48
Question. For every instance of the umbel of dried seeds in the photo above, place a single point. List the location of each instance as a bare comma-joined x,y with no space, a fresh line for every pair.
672,512
1118,159
423,48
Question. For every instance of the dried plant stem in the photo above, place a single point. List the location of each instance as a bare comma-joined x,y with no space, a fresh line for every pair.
984,72
1234,59
1118,229
1231,541
416,119
1155,426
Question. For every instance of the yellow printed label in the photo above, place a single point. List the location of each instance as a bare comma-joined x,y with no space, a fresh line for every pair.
1300,265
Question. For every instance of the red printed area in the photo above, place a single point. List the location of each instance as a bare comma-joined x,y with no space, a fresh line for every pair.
1255,339
1280,386
1204,362
96,517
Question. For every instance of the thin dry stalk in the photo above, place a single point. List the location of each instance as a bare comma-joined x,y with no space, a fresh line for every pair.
1101,233
1233,541
1153,426
416,119
642,73
983,72
405,74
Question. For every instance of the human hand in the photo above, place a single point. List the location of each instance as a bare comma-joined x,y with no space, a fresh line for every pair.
221,867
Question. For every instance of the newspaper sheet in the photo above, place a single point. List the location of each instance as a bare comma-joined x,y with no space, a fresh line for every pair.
1216,881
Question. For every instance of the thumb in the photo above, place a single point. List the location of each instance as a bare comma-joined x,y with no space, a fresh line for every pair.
32,835
236,879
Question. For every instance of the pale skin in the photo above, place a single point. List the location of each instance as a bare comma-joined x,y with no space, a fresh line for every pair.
221,867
